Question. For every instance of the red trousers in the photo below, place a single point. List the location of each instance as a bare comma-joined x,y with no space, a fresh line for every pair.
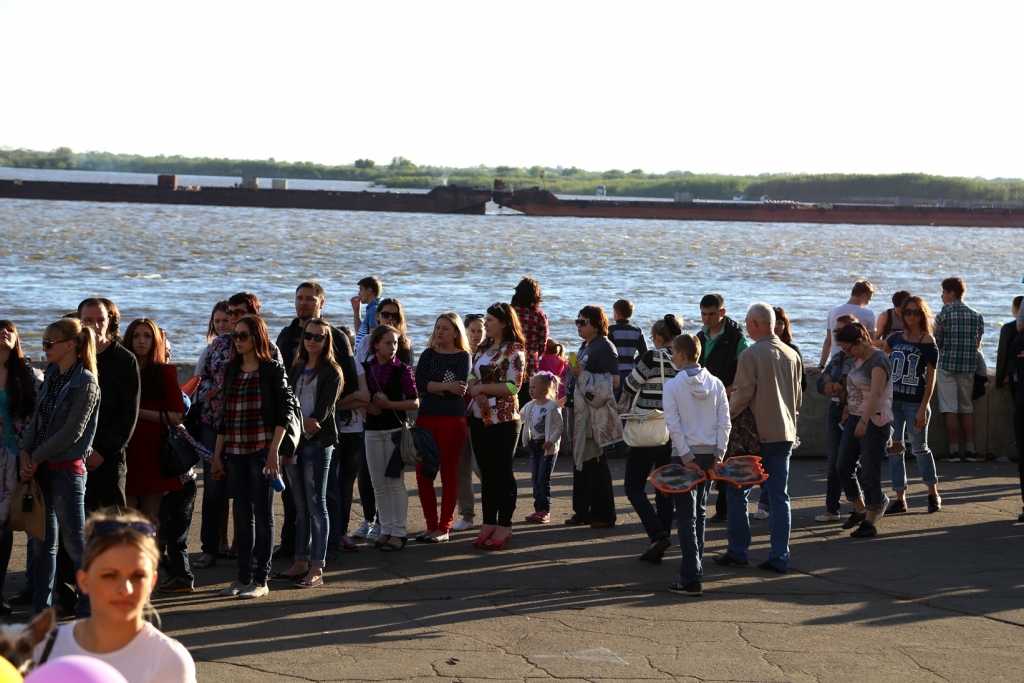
449,433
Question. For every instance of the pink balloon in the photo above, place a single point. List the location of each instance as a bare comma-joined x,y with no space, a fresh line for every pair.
75,669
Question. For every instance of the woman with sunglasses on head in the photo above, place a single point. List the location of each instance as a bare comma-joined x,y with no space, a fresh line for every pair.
474,326
913,354
597,367
119,573
56,444
161,405
389,312
210,397
258,403
441,377
499,370
387,388
866,431
315,378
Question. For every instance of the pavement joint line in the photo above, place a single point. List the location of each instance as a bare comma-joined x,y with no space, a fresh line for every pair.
920,665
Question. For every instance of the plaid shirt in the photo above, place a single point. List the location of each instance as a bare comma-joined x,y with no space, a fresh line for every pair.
958,331
535,329
242,417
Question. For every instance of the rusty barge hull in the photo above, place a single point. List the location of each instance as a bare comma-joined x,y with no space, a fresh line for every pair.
448,199
536,202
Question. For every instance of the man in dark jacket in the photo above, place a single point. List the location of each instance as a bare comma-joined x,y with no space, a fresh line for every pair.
721,343
309,302
120,390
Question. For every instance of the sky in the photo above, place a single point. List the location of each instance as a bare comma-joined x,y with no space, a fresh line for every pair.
738,87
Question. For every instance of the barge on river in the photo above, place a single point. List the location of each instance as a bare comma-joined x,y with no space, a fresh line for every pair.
446,199
537,202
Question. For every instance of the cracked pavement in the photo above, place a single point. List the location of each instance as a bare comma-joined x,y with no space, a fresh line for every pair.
931,598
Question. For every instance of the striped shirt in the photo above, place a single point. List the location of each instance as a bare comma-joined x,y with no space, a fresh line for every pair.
630,343
958,332
646,378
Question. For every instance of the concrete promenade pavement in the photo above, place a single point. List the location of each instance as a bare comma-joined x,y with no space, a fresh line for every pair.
931,598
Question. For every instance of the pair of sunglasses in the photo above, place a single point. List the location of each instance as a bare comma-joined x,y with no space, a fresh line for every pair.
309,336
50,343
240,336
580,322
912,311
237,312
112,526
390,315
473,316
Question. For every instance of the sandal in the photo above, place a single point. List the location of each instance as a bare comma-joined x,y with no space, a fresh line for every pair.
390,547
311,583
378,543
205,562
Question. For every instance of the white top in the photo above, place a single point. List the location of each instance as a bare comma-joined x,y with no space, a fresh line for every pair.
151,657
305,391
696,413
865,316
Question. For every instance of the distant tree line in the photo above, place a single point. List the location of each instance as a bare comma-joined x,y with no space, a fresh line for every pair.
402,172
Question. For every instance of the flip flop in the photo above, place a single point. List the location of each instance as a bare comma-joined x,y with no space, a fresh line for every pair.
390,547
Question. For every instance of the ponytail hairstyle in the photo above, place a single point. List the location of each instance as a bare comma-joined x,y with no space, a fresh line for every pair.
553,348
513,331
668,328
84,338
549,382
21,385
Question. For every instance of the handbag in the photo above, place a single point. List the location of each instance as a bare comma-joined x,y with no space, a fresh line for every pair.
646,429
177,455
28,509
743,437
410,456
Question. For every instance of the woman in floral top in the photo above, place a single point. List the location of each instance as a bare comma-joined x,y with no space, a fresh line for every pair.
499,369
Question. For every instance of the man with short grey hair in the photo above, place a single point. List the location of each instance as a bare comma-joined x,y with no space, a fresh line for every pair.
768,383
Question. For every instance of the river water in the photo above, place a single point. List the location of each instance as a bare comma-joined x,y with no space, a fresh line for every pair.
171,263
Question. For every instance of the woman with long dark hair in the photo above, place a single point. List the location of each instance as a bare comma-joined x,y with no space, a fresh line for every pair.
161,405
315,378
526,302
257,406
55,445
17,386
499,370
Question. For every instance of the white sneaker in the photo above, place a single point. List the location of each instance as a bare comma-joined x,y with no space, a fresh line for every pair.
253,591
362,530
827,517
235,588
373,531
761,514
463,525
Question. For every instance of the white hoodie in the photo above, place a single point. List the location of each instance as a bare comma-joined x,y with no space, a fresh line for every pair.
697,413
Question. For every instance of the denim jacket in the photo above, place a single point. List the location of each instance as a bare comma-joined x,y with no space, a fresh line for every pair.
73,425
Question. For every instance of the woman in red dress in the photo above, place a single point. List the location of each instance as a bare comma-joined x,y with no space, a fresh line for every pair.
161,403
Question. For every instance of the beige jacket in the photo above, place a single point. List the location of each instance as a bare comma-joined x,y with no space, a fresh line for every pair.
768,380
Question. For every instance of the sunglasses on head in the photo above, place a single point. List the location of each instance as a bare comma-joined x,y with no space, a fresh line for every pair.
474,316
309,336
580,322
49,343
112,526
240,336
390,315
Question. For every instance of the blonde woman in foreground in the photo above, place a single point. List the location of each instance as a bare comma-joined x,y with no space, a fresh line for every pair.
119,572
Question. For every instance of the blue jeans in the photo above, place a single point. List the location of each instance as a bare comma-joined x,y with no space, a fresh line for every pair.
904,431
775,461
868,451
541,466
345,463
214,494
657,518
691,515
254,511
833,437
65,509
308,481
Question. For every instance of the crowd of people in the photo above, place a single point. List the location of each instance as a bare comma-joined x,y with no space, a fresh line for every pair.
324,411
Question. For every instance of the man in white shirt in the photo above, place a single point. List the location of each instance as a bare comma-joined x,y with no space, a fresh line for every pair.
857,306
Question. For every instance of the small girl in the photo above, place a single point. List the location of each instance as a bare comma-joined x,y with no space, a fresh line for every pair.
542,430
554,362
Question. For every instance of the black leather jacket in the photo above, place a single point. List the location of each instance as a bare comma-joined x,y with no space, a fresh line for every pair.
328,388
